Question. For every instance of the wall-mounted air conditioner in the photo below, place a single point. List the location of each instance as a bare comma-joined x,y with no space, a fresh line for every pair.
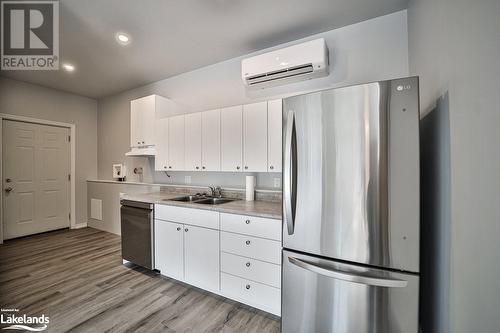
295,63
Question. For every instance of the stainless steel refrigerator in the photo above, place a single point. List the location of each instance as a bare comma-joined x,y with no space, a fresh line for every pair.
351,209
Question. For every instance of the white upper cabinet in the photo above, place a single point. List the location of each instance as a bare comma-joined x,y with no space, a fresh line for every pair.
176,143
142,118
144,112
161,138
274,135
210,140
255,137
231,138
193,142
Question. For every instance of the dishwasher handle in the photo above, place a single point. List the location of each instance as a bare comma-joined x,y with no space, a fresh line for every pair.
136,204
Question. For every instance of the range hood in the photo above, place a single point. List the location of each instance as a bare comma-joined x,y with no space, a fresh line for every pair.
142,151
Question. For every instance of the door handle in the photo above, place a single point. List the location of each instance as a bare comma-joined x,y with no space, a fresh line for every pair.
347,276
289,173
8,189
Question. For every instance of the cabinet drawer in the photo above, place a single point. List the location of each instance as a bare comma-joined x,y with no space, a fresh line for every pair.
251,269
252,247
250,225
199,217
252,293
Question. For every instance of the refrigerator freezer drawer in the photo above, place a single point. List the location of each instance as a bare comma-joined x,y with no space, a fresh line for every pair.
327,296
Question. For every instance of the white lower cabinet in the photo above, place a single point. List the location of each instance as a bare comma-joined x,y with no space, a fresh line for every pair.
201,257
169,250
252,293
242,263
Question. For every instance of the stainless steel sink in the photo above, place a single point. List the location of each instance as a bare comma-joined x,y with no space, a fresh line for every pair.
213,201
187,198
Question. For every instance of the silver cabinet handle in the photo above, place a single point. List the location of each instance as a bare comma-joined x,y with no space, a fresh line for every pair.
246,167
237,168
247,242
186,230
289,173
247,286
8,189
271,167
248,264
178,228
347,276
197,168
247,221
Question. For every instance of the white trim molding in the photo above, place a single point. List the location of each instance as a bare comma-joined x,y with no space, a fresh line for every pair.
72,128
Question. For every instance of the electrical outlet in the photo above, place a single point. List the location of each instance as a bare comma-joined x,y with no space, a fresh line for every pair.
187,179
277,182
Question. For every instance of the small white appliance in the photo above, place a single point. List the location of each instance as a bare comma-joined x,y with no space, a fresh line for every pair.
290,64
119,172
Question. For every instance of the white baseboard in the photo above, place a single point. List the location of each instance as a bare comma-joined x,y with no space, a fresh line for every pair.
79,226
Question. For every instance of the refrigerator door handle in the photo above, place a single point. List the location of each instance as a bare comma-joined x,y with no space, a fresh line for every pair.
346,276
289,172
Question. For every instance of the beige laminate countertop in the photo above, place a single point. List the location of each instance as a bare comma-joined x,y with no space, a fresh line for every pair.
266,209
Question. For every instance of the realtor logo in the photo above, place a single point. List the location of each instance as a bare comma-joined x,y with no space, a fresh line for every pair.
30,35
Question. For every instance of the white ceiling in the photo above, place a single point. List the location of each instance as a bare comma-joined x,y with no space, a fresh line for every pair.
175,36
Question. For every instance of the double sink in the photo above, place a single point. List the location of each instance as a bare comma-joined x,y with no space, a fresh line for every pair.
201,199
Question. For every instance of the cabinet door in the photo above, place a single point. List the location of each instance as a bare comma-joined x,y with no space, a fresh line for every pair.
142,118
231,120
176,143
193,142
135,125
210,142
161,139
201,257
274,135
255,137
169,250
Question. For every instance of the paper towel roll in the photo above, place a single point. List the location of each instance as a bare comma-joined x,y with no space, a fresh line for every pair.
250,188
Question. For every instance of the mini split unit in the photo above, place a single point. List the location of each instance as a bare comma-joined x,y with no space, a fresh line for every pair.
299,62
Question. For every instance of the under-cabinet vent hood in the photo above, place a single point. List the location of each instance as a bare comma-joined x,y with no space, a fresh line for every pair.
146,151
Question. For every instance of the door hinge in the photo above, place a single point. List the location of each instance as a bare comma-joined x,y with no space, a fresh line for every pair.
69,138
69,177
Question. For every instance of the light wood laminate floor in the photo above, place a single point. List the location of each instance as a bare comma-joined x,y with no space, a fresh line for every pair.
76,277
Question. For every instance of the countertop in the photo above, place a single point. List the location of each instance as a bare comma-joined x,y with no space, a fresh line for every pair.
265,209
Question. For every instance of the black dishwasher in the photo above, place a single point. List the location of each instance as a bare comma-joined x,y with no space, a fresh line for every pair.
137,226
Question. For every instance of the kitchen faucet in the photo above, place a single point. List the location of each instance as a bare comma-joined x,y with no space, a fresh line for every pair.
216,191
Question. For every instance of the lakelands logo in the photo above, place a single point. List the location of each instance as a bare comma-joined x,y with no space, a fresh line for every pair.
30,35
15,321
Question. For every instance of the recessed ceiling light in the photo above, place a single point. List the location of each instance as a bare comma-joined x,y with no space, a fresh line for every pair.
68,67
122,38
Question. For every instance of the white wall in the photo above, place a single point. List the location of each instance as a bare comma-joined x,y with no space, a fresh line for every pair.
368,51
29,100
454,46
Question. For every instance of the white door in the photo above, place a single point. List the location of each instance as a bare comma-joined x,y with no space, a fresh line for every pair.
274,135
169,250
142,120
176,143
210,142
135,124
36,168
201,257
255,137
193,142
231,122
161,139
